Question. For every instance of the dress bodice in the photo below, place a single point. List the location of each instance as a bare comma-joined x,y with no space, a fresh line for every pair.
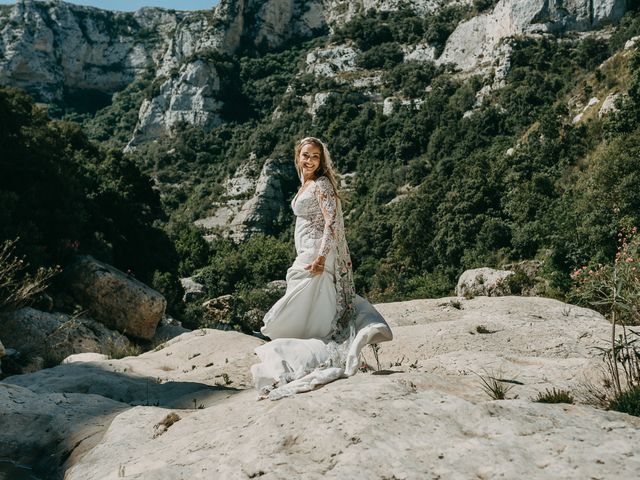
315,209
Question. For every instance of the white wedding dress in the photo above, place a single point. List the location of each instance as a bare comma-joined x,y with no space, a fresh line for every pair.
320,325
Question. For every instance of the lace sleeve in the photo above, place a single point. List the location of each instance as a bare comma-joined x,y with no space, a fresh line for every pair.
328,202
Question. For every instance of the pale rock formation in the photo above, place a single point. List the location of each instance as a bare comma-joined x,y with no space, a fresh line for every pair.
249,204
473,43
592,101
422,52
46,47
391,104
339,12
316,101
632,42
190,97
55,336
483,281
260,211
114,298
331,61
609,104
425,405
193,291
217,312
85,357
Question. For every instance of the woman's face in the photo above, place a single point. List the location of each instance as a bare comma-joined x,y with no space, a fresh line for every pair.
309,160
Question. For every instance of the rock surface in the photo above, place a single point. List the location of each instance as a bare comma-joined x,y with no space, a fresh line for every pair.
413,419
483,281
114,298
52,47
54,336
474,43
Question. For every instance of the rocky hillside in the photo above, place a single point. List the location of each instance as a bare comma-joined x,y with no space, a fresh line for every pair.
53,49
466,133
188,409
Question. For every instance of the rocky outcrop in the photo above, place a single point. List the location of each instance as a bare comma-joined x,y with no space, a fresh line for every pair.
483,281
114,298
428,382
41,338
49,47
329,61
239,217
475,44
190,97
193,291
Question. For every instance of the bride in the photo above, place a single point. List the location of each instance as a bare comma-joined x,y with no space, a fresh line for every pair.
320,325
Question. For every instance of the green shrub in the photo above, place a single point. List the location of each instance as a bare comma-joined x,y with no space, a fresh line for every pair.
627,401
554,396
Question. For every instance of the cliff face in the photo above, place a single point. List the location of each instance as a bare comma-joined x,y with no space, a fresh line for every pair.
50,47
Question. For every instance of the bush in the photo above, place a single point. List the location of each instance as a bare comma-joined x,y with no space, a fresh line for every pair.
627,402
554,396
386,55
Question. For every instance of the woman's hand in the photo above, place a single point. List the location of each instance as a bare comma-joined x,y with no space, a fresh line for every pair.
317,266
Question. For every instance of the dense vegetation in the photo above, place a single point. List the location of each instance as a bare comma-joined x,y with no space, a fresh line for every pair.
62,194
437,189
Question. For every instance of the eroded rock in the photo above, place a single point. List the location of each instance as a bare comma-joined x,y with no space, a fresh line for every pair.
114,298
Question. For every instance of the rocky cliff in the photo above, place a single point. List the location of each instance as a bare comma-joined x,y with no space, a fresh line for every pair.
52,47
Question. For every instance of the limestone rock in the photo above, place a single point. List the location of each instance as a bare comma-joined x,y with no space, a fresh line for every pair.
427,383
317,101
483,281
238,188
474,42
47,47
191,97
609,104
422,52
261,211
218,312
114,298
168,328
85,357
632,42
65,425
332,60
54,336
193,291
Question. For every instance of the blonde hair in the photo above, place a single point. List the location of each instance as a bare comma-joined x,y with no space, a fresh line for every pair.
326,165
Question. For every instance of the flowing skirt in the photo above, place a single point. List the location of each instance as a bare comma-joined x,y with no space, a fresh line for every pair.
300,356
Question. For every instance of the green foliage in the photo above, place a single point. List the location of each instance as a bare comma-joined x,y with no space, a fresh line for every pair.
250,264
385,55
627,402
554,396
374,28
62,194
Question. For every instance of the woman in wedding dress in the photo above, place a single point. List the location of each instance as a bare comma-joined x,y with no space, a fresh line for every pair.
320,325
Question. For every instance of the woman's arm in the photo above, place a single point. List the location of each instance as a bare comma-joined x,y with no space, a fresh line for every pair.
328,202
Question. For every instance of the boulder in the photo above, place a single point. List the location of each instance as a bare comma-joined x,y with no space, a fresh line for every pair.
483,281
114,298
218,312
44,338
193,291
